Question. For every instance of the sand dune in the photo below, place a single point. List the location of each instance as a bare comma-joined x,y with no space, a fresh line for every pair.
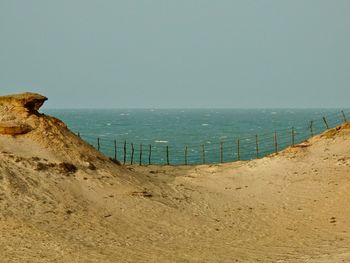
63,201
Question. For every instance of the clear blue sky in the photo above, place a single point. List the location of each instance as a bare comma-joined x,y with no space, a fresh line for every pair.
178,53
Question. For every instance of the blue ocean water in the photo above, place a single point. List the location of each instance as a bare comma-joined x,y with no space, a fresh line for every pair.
195,136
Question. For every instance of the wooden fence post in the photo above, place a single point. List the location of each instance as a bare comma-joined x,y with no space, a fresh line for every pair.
325,122
150,154
311,128
98,143
203,154
221,152
140,154
132,153
275,140
344,117
167,155
115,150
238,150
293,136
257,146
124,152
185,155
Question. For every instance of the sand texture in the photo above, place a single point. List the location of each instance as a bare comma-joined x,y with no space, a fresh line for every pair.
63,201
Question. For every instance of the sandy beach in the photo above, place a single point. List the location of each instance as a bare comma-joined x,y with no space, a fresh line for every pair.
63,201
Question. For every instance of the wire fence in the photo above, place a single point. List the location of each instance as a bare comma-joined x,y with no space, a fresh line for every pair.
241,148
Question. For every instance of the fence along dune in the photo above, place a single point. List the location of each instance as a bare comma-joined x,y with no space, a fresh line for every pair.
238,148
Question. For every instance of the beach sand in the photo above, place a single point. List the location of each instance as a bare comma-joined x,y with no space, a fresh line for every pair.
63,201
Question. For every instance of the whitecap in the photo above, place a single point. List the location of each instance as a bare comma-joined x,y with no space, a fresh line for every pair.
161,141
205,124
109,124
273,113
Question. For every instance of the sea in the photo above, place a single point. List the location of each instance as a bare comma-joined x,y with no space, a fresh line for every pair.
195,136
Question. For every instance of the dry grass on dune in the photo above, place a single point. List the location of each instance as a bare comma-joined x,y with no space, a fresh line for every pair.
62,201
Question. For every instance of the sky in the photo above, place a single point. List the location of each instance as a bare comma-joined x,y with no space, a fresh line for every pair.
177,53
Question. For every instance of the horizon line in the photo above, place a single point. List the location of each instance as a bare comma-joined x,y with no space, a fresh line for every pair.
196,108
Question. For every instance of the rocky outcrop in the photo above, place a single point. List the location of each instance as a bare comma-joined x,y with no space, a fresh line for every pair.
14,109
31,102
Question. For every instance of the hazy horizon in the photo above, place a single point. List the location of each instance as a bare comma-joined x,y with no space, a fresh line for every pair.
177,54
189,108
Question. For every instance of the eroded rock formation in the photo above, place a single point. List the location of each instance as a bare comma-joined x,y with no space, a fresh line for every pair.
15,109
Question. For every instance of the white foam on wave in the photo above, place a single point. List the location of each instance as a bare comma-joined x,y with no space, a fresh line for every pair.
161,141
205,124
